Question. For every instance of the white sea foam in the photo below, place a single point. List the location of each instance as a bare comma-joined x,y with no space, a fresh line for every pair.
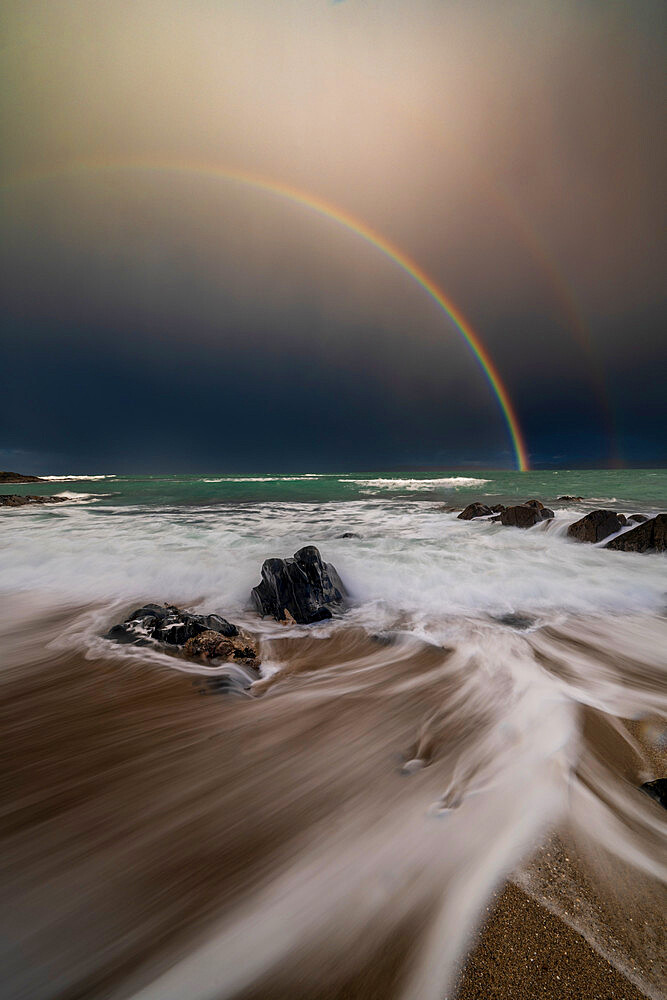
412,562
63,479
412,485
81,497
261,479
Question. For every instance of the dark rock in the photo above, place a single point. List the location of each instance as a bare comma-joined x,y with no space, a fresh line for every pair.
648,537
596,525
498,508
168,625
567,499
520,516
303,589
15,500
657,790
534,503
18,477
515,621
638,518
349,534
474,510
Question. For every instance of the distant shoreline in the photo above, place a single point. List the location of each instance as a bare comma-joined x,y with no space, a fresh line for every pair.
19,477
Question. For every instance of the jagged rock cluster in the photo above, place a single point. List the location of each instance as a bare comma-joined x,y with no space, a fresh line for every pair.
206,637
523,515
648,535
645,535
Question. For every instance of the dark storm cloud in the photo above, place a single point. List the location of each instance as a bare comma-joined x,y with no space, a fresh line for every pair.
513,150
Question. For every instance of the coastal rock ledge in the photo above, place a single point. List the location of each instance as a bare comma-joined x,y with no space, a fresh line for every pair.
16,500
302,590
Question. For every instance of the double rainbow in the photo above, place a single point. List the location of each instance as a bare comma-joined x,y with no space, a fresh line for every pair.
347,221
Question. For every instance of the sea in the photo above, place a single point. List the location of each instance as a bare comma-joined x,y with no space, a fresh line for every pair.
486,709
203,539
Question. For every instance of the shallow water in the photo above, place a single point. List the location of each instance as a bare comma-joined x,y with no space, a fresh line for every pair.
339,830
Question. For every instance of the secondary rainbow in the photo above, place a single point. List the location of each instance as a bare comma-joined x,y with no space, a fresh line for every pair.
349,222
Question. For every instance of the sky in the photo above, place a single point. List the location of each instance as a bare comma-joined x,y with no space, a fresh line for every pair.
173,300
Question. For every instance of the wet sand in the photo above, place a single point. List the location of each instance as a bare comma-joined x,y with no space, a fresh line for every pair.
527,953
337,835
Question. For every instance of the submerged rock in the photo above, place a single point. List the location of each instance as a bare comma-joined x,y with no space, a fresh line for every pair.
513,620
651,536
638,518
567,499
209,636
596,525
657,790
475,510
303,589
15,500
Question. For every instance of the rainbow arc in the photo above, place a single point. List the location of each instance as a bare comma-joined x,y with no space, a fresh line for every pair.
348,222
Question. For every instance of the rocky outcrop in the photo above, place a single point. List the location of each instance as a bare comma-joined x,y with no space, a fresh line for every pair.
657,790
241,648
303,589
651,536
15,500
18,477
567,499
498,508
525,515
201,636
638,518
474,510
596,525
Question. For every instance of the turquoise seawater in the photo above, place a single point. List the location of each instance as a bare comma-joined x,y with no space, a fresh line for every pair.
646,489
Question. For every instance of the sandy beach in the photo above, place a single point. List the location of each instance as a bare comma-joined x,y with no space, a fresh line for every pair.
161,841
